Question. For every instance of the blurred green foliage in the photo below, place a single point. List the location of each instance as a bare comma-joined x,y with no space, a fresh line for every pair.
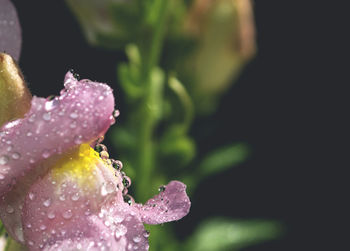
182,55
228,234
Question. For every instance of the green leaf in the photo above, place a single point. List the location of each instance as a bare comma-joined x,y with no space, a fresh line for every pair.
227,234
179,89
177,150
155,105
223,158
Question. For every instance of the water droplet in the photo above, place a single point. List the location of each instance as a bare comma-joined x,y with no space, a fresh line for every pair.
47,203
67,214
128,199
30,243
46,154
100,98
120,231
78,139
75,197
136,239
29,134
42,227
146,234
2,176
9,148
104,155
4,159
15,155
31,196
116,113
52,104
73,115
46,116
126,181
51,215
29,225
10,209
99,148
32,118
117,164
62,197
118,218
161,189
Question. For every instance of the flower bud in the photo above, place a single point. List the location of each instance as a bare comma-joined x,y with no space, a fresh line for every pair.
225,36
15,98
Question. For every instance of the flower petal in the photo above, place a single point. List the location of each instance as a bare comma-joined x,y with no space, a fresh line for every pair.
29,146
79,205
10,30
81,114
171,204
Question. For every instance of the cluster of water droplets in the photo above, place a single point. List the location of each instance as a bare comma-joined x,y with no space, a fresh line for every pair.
117,165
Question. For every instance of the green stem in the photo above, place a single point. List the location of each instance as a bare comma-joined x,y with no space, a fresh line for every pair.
146,154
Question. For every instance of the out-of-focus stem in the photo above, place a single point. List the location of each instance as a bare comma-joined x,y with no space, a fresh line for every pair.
146,154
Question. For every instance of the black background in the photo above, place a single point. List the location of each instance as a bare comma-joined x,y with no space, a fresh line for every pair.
282,106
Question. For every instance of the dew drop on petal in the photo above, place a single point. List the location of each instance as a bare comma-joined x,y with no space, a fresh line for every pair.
47,203
116,113
46,116
78,139
15,155
4,159
52,104
67,214
136,239
75,197
51,215
146,234
73,115
31,196
46,154
120,231
118,219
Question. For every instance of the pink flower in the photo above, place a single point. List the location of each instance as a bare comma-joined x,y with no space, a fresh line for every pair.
10,30
57,193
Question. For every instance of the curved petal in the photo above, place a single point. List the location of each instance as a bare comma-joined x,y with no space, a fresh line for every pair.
171,204
10,30
82,113
79,205
29,146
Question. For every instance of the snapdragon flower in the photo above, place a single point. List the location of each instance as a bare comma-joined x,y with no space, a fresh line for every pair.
57,192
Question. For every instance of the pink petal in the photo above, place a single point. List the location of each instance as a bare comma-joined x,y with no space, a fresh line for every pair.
10,30
81,114
55,218
31,145
169,205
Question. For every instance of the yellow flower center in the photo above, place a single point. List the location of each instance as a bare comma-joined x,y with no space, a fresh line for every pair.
78,165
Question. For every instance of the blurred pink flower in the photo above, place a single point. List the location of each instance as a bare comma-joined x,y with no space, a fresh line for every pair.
10,30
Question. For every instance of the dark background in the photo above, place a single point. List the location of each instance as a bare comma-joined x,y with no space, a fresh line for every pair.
280,106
